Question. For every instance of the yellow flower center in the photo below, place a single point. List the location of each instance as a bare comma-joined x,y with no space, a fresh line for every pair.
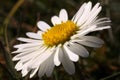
60,33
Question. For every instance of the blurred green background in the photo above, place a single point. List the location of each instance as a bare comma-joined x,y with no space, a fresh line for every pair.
20,16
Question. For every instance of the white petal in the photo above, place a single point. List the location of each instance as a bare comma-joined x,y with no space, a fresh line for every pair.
93,14
40,33
46,67
95,10
103,23
102,19
74,57
42,70
56,57
33,72
101,28
86,25
50,65
33,35
24,72
63,15
43,26
26,52
85,14
28,49
68,64
55,20
91,18
89,41
93,39
83,32
78,49
60,55
79,13
15,59
25,67
29,55
27,39
19,65
32,55
41,58
27,45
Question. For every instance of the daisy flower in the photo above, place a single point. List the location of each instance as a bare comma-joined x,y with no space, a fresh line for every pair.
62,43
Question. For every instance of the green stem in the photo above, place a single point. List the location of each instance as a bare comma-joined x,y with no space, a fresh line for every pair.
9,63
7,54
7,19
56,75
111,76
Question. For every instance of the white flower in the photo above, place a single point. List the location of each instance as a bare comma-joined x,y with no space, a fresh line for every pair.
60,44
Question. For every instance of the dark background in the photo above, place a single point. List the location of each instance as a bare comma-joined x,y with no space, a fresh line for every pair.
20,16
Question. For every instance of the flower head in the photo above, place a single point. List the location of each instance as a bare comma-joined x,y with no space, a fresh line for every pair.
60,44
